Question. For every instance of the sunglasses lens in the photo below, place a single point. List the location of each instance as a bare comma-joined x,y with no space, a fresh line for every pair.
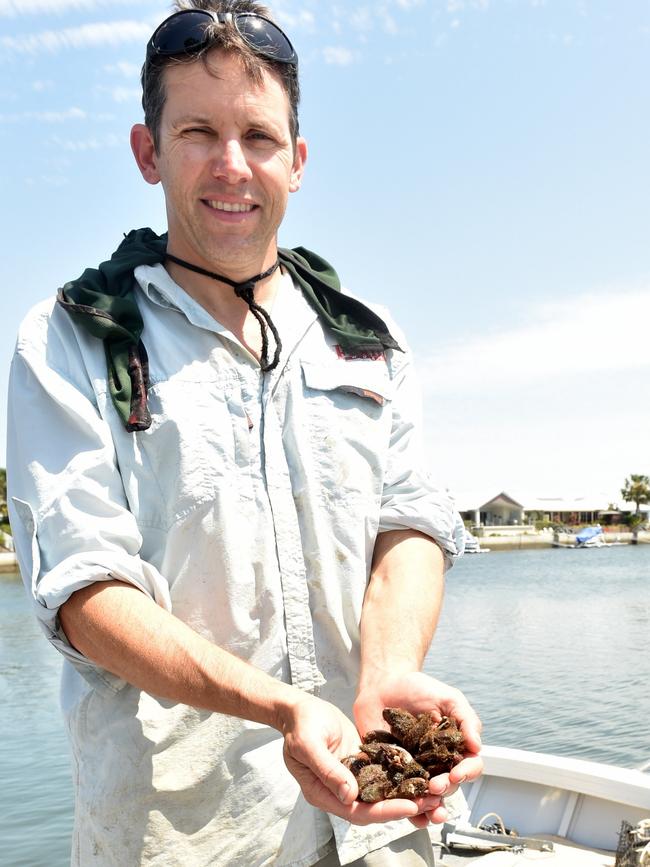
183,32
265,37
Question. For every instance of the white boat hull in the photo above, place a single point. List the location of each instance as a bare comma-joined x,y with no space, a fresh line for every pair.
571,801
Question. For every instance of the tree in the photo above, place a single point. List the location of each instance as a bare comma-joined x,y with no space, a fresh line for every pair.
636,490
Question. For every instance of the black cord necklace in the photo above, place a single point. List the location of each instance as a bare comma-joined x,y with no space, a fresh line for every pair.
245,290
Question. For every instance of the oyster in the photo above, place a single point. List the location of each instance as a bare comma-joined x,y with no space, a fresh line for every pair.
399,763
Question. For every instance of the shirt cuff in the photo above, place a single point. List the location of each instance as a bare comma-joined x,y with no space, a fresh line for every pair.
430,512
49,590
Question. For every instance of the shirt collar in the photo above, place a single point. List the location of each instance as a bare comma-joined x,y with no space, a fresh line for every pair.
291,313
159,287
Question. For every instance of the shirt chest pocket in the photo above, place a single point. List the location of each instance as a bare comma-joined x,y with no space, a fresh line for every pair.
348,420
196,447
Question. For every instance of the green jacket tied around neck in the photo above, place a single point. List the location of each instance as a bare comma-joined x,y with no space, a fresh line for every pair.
102,300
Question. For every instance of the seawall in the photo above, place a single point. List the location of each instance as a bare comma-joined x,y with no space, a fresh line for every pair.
521,541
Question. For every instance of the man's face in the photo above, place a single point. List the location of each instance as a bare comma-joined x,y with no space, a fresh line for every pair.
226,162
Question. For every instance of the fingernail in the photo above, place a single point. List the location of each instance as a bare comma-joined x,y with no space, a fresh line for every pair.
343,792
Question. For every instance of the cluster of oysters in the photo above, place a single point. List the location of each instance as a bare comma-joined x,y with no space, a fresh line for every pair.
398,764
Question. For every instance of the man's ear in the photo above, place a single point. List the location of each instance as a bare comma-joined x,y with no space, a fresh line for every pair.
299,160
144,152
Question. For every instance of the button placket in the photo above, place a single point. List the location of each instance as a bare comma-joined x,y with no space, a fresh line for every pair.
295,592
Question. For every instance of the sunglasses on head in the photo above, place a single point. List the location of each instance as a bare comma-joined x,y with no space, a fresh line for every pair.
188,31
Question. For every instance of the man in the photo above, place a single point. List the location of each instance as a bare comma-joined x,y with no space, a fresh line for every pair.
218,502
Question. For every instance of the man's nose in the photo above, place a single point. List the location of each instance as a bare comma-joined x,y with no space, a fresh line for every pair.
230,163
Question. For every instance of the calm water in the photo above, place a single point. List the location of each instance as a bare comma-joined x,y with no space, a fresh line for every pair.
550,646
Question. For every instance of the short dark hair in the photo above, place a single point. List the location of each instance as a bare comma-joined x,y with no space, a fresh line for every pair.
225,37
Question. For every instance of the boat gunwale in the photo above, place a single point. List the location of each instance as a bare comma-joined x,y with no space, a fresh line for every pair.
594,779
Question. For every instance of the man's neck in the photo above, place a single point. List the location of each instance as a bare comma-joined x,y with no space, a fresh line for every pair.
217,296
221,302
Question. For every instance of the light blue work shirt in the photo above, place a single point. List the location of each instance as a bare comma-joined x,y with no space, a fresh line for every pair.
250,510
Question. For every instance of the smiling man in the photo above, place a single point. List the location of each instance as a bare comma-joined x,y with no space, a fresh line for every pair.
219,502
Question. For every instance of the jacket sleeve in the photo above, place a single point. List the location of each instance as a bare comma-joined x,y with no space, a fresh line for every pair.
68,510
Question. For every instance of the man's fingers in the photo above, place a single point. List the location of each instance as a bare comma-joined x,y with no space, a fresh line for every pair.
382,811
469,769
318,795
439,785
324,767
438,816
420,821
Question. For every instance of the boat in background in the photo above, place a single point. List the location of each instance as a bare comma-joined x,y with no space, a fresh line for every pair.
566,812
591,537
588,537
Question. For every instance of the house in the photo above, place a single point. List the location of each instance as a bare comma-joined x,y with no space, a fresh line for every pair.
500,511
518,512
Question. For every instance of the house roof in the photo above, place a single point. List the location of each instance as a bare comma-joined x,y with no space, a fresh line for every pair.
592,502
469,502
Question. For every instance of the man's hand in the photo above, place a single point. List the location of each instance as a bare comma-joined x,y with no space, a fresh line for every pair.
417,692
316,737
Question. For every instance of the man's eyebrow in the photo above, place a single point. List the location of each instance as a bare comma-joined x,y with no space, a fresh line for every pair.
251,119
198,119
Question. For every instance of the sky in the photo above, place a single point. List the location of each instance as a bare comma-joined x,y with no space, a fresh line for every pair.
480,167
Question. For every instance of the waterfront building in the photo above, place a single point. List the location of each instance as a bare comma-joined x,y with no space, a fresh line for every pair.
506,510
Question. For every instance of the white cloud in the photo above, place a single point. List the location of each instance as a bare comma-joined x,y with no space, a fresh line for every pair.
48,181
14,8
361,19
121,94
556,404
46,116
584,336
303,20
41,86
93,143
84,36
124,68
567,446
389,24
338,56
454,6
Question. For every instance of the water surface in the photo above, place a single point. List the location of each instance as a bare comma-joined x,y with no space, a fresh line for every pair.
550,646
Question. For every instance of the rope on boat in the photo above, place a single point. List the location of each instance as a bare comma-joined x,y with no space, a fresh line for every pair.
499,820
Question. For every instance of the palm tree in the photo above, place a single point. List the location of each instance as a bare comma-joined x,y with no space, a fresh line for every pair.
636,490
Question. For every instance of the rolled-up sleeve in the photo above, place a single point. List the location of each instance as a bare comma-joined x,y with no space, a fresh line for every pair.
410,499
68,510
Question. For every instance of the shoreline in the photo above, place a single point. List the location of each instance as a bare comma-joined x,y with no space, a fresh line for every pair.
509,542
8,562
529,541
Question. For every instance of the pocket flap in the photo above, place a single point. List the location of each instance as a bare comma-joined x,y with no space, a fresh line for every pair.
367,379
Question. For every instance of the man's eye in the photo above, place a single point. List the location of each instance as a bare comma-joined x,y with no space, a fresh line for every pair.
259,135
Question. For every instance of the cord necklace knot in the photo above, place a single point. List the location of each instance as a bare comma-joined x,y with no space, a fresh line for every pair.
245,290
